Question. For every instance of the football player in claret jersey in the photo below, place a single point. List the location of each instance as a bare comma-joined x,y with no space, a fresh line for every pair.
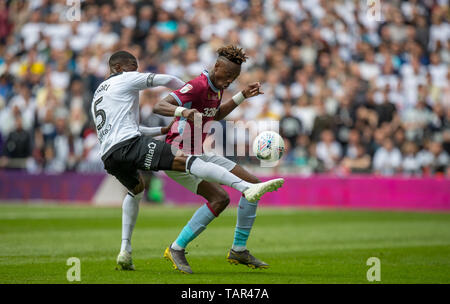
203,95
127,147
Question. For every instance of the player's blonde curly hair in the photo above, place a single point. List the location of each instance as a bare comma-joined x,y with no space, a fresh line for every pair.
233,53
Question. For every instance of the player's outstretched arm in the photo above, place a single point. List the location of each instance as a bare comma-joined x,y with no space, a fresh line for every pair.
156,131
151,131
226,108
168,81
168,106
166,129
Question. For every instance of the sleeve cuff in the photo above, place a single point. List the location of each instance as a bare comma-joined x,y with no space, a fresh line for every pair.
176,98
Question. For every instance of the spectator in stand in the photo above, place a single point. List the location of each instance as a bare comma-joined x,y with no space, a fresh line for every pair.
360,162
17,146
290,126
354,140
78,96
438,70
52,164
301,154
328,150
315,164
434,159
106,38
323,121
387,159
410,162
67,145
386,110
416,120
26,104
338,69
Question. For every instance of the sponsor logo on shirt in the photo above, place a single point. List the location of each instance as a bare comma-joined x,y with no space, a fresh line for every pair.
186,88
149,156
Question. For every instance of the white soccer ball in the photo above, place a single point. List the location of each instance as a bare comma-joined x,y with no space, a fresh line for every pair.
268,146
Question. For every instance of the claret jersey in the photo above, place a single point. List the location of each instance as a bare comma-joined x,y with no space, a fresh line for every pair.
200,94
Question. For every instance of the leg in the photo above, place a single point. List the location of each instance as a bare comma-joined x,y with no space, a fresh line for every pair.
216,196
217,200
208,171
245,175
211,172
246,214
150,154
130,209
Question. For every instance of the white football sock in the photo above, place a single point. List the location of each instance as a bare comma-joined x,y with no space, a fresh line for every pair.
130,210
175,246
238,248
215,173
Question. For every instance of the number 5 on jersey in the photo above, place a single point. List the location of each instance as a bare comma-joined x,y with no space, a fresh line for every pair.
100,113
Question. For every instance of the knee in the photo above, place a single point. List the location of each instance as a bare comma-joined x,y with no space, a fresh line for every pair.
139,188
179,163
222,201
225,201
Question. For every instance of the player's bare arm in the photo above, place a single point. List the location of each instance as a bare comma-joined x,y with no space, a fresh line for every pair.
253,89
168,106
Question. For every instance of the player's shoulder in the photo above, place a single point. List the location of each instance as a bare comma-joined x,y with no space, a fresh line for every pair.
128,75
200,80
103,86
131,74
112,78
194,86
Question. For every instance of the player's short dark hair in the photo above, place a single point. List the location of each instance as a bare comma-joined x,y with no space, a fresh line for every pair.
233,53
121,57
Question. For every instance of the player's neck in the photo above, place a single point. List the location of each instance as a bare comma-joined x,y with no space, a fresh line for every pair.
212,77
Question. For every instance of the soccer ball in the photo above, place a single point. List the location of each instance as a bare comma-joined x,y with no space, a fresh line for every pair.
268,146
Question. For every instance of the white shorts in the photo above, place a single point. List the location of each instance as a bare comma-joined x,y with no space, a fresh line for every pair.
191,182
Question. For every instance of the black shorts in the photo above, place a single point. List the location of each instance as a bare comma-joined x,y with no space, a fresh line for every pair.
139,153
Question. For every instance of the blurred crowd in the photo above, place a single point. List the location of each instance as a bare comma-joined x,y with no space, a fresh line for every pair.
353,94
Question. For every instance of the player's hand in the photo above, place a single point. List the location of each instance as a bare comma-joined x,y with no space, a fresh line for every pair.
165,130
192,115
253,89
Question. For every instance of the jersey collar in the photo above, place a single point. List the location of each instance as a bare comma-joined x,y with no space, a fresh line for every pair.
112,75
205,72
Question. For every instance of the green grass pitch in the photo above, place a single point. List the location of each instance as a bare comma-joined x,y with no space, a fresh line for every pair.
301,245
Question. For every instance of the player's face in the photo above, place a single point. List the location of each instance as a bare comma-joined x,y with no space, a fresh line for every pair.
225,73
